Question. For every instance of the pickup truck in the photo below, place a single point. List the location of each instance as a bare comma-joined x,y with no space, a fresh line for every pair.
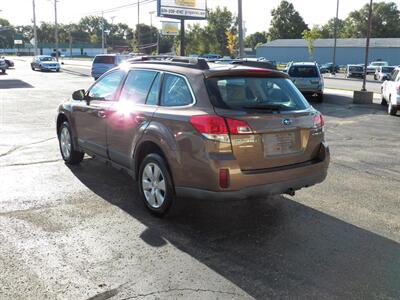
390,91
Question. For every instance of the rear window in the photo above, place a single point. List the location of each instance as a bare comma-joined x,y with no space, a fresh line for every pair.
104,59
250,92
356,69
303,71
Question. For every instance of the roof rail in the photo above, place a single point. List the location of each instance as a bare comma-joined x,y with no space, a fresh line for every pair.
182,61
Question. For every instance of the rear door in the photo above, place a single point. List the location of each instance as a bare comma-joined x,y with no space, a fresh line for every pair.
131,115
279,137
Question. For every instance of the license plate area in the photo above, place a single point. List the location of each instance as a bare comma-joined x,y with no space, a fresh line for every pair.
281,143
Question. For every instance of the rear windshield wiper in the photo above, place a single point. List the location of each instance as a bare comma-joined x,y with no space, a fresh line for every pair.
272,107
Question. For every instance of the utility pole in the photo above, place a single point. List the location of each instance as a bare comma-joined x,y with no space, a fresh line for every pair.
182,52
240,21
335,39
70,44
138,23
34,28
56,27
151,18
111,33
367,46
102,32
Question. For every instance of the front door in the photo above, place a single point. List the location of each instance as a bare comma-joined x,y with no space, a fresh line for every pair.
91,116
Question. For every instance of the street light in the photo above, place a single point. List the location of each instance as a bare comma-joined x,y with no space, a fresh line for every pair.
34,28
240,21
55,26
151,18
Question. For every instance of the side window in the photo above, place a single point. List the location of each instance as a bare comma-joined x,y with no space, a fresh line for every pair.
152,98
106,87
137,86
175,91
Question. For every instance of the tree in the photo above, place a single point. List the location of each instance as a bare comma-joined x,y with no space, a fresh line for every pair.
255,39
219,22
286,22
146,38
385,21
310,36
231,43
327,31
6,34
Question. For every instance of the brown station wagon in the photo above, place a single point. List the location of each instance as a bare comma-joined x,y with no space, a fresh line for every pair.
185,128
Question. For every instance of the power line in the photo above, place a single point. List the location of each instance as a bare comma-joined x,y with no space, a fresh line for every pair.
113,9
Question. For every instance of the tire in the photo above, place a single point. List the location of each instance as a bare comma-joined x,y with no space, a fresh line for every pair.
391,110
58,70
157,196
32,67
68,152
383,100
375,78
320,98
3,71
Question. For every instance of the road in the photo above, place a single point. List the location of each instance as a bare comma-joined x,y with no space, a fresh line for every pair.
83,233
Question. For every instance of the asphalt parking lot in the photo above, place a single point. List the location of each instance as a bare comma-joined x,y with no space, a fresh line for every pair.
83,233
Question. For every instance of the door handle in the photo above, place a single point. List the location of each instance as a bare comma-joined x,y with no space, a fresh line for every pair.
102,114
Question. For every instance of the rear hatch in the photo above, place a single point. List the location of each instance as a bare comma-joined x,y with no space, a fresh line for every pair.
273,125
103,63
305,77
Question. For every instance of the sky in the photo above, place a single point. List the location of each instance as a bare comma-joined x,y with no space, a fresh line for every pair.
256,13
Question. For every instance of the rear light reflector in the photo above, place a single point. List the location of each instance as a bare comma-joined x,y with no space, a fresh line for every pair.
319,121
238,127
224,178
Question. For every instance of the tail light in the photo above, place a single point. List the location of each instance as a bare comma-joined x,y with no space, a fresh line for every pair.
398,89
224,178
319,121
217,128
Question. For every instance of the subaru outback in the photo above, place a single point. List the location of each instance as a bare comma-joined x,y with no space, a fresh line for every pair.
184,128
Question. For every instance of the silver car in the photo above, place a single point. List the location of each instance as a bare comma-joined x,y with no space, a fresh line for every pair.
308,79
45,63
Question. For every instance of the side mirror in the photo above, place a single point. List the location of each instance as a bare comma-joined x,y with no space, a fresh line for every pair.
78,95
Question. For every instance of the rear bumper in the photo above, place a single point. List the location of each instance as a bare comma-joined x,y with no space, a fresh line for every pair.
287,180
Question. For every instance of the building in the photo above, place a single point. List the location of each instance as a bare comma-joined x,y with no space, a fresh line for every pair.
349,51
65,49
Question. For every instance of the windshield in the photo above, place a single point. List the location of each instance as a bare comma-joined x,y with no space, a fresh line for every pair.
253,92
387,69
47,58
356,69
303,71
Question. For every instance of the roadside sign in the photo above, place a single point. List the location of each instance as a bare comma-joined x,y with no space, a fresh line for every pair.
170,28
18,42
182,9
18,39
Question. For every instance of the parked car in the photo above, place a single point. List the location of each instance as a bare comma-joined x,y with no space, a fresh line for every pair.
354,71
328,68
3,65
210,56
307,78
45,63
9,62
190,129
383,73
373,66
390,91
104,62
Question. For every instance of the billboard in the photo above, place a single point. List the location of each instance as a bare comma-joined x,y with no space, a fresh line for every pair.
182,9
170,28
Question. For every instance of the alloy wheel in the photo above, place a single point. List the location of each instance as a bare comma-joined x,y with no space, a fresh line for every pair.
65,142
153,184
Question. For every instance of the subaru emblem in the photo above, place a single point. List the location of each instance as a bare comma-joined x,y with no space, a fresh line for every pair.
286,121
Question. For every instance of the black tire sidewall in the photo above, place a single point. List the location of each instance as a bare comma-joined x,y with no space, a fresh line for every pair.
170,195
